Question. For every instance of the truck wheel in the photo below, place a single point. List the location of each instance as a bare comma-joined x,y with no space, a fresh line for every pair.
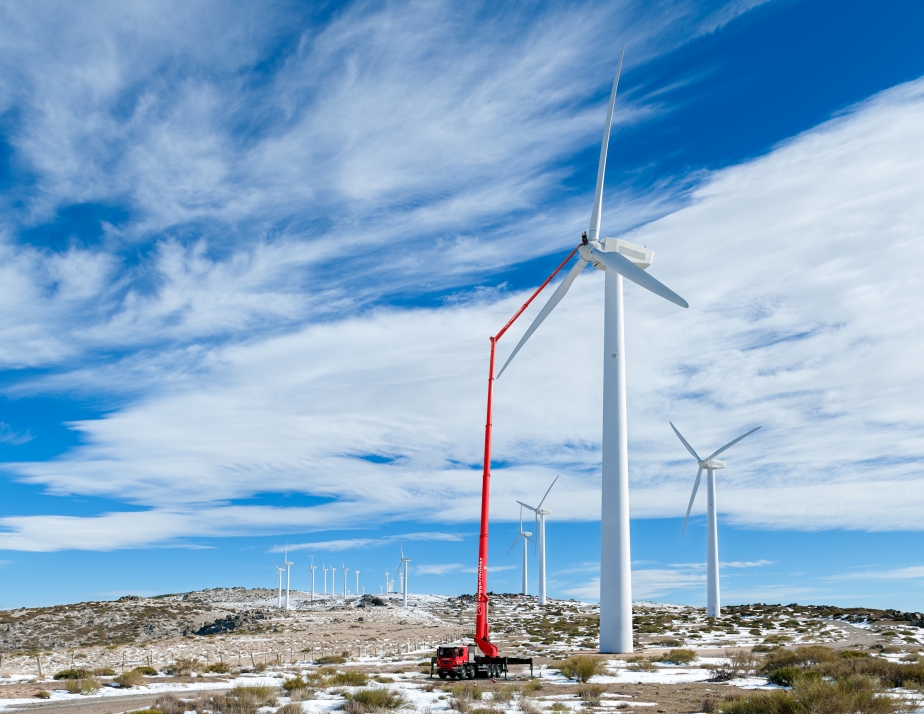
471,672
442,674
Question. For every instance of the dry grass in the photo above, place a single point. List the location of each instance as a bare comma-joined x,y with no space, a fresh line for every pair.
373,700
581,667
527,707
640,664
679,656
73,674
184,667
529,689
82,686
591,693
350,679
290,708
130,679
170,704
43,694
854,695
735,666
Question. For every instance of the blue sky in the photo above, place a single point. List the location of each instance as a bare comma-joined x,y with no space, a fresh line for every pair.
249,261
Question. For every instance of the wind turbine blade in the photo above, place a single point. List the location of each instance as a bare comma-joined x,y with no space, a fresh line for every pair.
596,214
536,530
684,442
620,264
514,543
526,506
693,496
521,518
546,494
559,293
732,443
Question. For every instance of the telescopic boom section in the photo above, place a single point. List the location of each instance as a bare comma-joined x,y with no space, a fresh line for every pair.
482,637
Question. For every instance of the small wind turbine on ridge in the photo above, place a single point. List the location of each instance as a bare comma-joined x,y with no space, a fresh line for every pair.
312,568
279,570
525,535
711,464
404,562
288,565
541,513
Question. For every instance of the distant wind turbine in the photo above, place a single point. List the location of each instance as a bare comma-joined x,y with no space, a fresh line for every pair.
711,464
312,568
525,535
357,583
279,570
345,571
541,513
288,565
404,562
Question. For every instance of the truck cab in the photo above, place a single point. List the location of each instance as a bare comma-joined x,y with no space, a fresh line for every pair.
453,662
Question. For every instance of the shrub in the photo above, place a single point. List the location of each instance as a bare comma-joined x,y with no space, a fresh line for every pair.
372,700
295,682
669,642
43,694
130,679
527,707
591,693
73,674
170,704
502,694
641,664
264,696
145,670
735,666
303,694
799,657
331,659
290,708
856,695
350,679
530,688
146,711
581,667
82,686
466,692
383,680
679,656
104,672
787,676
184,667
218,668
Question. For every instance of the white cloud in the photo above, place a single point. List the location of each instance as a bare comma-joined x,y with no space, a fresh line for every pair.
802,268
746,563
911,572
439,568
351,543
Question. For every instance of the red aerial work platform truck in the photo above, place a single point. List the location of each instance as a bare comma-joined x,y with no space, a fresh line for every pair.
456,661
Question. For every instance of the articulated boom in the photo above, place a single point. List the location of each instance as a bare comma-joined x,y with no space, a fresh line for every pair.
482,637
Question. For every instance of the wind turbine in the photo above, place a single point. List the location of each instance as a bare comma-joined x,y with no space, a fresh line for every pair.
525,535
288,565
325,579
279,570
618,259
333,582
357,583
404,562
312,568
345,571
387,583
541,513
711,464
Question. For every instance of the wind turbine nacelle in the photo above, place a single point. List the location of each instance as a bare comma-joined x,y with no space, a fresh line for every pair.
714,464
639,255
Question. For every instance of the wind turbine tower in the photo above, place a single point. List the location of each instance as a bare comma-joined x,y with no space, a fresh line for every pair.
312,568
325,579
288,565
541,513
525,535
618,259
345,571
404,562
279,570
711,464
357,583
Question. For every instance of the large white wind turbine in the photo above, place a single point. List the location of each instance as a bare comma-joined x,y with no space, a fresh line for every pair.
525,535
618,259
711,464
357,583
325,579
288,565
404,562
541,513
345,571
